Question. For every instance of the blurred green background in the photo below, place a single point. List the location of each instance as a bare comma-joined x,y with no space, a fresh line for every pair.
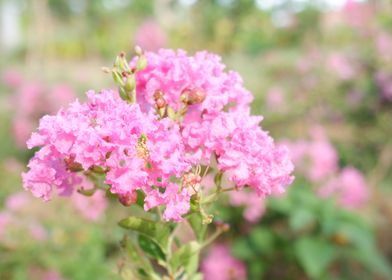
321,75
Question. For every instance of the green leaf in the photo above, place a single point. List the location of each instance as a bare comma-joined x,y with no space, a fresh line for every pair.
301,218
157,231
218,179
151,248
262,240
314,255
197,276
186,256
196,222
242,249
140,198
374,261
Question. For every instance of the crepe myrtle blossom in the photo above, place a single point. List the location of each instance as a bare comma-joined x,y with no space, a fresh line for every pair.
219,264
173,115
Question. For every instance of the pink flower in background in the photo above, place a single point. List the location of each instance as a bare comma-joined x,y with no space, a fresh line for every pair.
220,265
323,160
52,275
5,220
22,127
384,82
341,66
349,188
37,231
31,101
59,96
254,206
317,159
357,14
12,78
90,207
150,36
384,45
275,99
17,201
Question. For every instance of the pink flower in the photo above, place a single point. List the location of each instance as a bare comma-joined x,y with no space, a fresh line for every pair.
136,149
341,65
12,78
52,275
254,206
275,98
317,159
21,129
324,160
17,201
5,220
150,36
349,188
220,265
249,156
90,207
38,232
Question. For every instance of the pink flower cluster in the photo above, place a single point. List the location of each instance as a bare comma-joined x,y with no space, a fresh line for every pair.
150,35
254,206
317,160
219,264
31,101
349,187
139,149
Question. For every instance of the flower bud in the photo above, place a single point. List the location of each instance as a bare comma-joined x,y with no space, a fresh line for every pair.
123,94
127,199
192,96
141,63
160,103
224,227
197,96
138,50
72,166
117,78
130,83
157,94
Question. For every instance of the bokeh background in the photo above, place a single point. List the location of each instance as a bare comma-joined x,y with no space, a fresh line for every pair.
321,75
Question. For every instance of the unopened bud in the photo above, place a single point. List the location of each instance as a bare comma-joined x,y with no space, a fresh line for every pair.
138,50
196,96
222,226
141,63
128,198
157,94
123,94
117,78
72,166
86,192
192,96
130,83
184,97
160,103
207,219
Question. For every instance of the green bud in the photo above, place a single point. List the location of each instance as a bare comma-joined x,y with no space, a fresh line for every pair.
138,50
87,192
130,83
141,63
123,94
117,62
171,113
117,78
